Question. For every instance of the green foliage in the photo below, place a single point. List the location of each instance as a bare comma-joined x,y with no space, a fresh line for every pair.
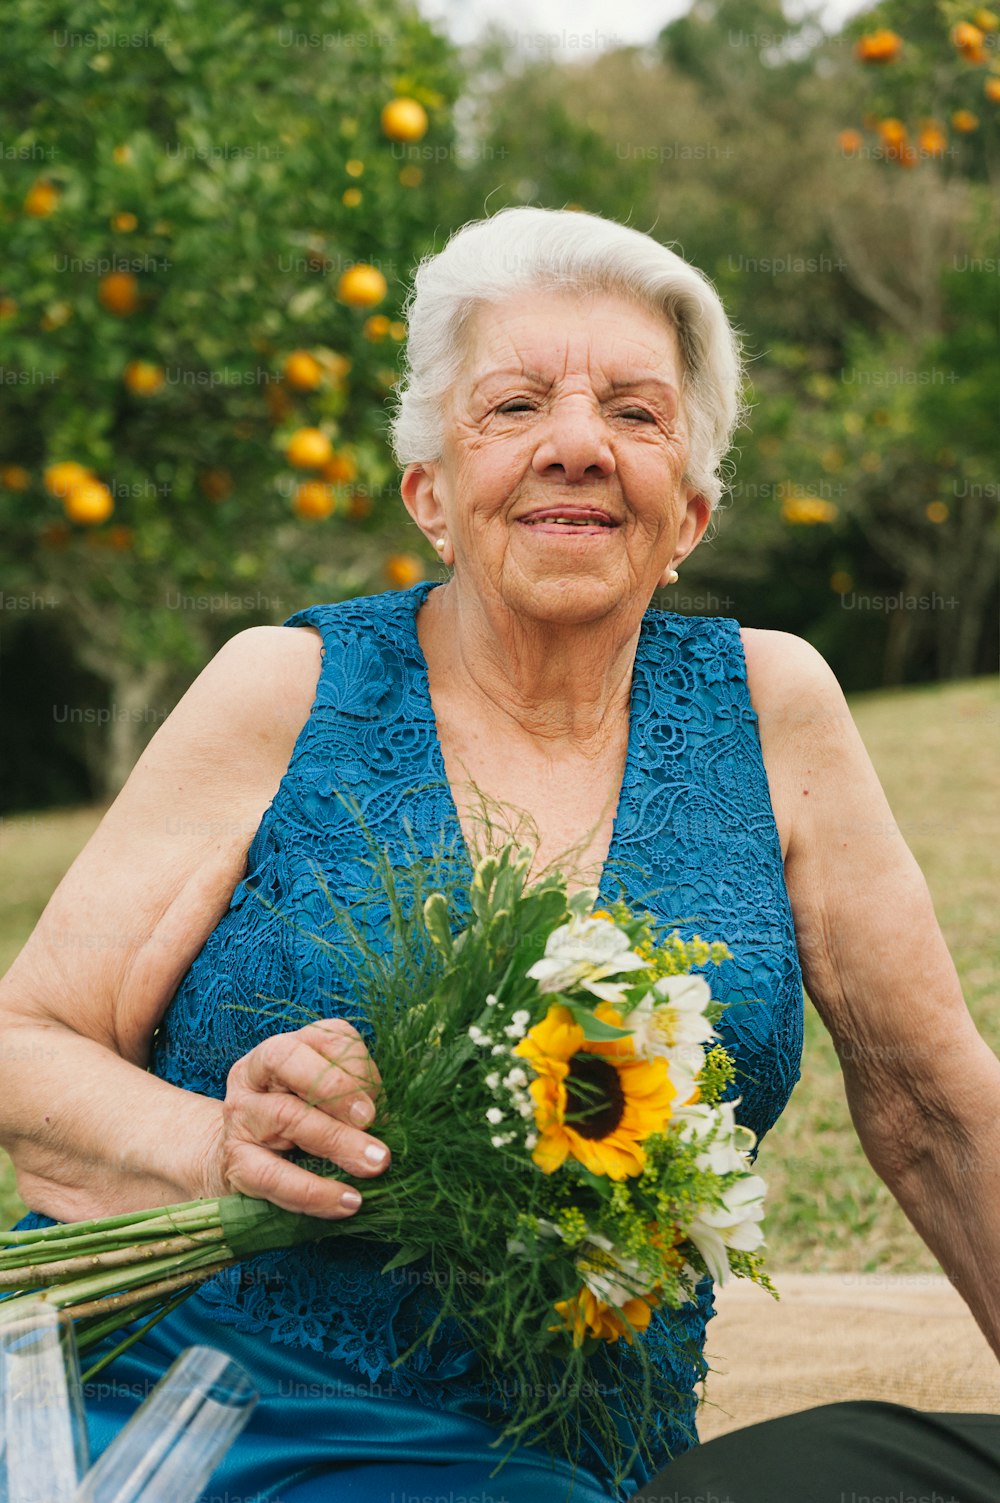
206,151
839,269
210,148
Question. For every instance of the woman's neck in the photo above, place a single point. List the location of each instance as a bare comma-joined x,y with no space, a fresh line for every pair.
539,680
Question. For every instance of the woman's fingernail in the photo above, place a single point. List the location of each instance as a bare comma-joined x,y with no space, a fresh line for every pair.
351,1199
375,1153
362,1112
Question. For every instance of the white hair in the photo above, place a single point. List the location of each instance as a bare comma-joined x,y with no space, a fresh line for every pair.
519,250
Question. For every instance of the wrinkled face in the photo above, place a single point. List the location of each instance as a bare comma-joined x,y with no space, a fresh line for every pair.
560,482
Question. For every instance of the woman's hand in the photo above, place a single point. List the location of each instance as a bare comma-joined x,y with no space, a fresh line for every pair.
314,1090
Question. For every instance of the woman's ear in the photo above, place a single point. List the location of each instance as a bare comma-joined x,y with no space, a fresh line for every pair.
420,500
696,518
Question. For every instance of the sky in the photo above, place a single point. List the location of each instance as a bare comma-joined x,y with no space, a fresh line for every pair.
577,28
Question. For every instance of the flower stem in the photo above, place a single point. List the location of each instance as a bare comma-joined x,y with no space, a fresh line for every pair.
106,1327
43,1274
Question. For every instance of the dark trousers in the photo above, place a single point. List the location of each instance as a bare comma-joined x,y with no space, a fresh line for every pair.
862,1452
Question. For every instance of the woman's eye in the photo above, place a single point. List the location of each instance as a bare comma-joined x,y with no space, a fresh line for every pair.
516,404
637,412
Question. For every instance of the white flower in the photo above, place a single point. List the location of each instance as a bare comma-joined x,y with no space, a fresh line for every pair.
609,1274
494,1116
493,1080
477,1036
543,1228
736,1222
522,1016
733,1224
730,1143
579,954
531,1140
497,1048
517,1077
515,1030
670,1022
491,1000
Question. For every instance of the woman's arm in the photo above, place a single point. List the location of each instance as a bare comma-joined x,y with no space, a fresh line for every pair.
91,1132
922,1085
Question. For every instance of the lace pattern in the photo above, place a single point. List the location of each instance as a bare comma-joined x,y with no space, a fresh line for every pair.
694,842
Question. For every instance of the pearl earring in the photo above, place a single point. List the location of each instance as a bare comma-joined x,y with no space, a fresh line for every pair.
440,543
673,577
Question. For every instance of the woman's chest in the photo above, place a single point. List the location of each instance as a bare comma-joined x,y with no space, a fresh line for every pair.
562,804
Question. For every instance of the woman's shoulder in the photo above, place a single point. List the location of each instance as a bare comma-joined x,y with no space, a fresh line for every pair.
247,706
785,673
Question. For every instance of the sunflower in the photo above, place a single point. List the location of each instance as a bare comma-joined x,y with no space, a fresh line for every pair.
585,1315
593,1107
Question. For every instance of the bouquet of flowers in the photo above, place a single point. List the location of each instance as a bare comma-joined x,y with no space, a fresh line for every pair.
563,1159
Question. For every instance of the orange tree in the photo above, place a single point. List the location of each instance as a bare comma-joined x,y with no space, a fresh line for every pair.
932,88
209,218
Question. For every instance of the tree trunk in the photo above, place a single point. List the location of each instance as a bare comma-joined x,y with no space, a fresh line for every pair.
137,710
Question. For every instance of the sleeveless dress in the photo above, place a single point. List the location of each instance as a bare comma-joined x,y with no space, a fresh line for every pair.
694,842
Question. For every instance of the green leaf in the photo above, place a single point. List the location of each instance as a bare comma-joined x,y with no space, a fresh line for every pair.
594,1028
403,1257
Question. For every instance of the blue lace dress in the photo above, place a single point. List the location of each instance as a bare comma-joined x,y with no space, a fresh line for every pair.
694,842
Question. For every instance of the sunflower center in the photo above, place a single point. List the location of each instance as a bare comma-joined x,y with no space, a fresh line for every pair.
595,1101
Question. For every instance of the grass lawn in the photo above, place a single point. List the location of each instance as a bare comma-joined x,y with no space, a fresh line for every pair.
827,1209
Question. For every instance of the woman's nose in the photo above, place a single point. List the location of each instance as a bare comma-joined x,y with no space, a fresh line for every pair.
575,440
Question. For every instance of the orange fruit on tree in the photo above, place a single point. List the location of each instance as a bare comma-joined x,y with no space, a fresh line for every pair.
336,366
279,403
59,478
89,503
303,371
340,470
411,176
362,286
991,89
120,538
351,197
313,500
965,121
966,37
308,449
932,140
892,132
215,484
404,119
986,20
850,142
122,155
403,570
119,293
143,378
15,477
41,199
125,223
882,46
376,327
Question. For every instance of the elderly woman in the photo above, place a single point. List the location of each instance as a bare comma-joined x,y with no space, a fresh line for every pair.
572,391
